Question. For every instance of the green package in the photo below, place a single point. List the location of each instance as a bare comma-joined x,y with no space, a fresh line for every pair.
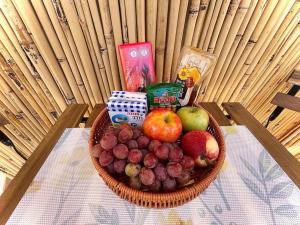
163,95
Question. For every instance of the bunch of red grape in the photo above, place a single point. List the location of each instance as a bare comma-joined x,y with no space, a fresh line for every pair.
148,165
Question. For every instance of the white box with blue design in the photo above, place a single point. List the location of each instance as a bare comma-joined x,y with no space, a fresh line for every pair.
127,107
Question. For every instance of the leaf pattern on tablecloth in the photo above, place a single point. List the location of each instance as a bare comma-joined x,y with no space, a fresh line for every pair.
258,184
287,210
254,188
274,173
281,190
130,208
102,216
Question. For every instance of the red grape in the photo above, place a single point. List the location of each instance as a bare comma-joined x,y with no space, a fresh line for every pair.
150,160
160,172
162,152
109,131
132,170
125,135
106,158
147,176
155,187
120,151
110,169
135,156
174,169
184,178
187,162
144,152
135,182
119,165
96,150
131,144
153,144
108,141
136,133
169,145
143,141
175,154
169,184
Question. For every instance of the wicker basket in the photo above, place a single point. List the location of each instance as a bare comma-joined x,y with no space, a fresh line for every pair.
158,200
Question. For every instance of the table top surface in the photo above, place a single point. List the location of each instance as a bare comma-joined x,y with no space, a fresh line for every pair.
250,189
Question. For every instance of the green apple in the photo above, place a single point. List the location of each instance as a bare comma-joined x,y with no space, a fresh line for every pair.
193,118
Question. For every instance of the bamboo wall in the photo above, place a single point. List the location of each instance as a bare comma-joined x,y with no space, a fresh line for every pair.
58,52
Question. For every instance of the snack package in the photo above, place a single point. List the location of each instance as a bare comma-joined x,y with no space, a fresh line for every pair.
127,107
193,67
137,65
163,95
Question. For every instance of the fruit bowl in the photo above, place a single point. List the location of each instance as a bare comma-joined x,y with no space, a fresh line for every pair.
202,177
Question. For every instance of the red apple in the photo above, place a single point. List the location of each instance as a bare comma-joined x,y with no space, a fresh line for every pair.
162,124
201,146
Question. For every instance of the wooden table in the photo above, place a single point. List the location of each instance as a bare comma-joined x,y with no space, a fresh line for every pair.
71,118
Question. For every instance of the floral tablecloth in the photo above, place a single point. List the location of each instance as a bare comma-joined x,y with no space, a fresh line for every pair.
251,189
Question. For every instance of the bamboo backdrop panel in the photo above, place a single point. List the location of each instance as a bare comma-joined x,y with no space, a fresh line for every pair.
54,53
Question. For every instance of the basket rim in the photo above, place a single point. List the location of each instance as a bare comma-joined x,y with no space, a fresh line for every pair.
163,196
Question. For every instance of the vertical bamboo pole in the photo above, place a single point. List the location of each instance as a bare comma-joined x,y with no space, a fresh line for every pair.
151,11
44,101
161,33
179,35
73,22
200,20
21,141
117,30
108,33
124,22
263,75
221,82
212,36
261,14
266,94
24,8
61,17
224,33
283,33
193,12
99,69
15,116
289,58
131,20
173,16
270,29
101,40
57,48
15,73
13,96
12,154
206,23
18,80
233,31
215,23
141,20
16,119
67,50
36,64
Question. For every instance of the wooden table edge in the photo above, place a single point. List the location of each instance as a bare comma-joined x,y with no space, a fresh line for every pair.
216,112
95,112
14,192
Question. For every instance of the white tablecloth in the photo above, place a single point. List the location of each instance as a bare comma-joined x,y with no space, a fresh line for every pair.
251,189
